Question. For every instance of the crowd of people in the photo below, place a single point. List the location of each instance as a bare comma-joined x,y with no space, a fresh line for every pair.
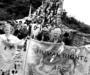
45,17
42,26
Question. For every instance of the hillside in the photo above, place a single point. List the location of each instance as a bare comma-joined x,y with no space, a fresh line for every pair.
16,9
73,23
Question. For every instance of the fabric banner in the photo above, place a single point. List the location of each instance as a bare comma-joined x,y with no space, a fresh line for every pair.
83,63
65,60
9,56
46,58
38,55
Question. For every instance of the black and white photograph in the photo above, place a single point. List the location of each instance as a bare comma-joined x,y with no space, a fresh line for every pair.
44,37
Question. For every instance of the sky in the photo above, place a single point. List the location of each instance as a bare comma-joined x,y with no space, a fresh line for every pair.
80,9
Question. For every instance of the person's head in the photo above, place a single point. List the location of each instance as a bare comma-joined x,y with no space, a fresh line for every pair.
55,33
8,29
20,22
59,11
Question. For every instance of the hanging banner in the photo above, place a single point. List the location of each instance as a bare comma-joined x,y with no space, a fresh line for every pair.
45,58
83,63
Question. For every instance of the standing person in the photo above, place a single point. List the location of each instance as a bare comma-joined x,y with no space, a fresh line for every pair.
8,44
55,36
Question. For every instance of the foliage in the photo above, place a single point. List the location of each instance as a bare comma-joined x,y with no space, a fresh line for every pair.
16,9
73,23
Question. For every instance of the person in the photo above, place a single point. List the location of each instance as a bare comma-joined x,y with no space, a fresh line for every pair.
8,44
55,36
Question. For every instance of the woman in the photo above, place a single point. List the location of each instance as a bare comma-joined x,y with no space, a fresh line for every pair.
8,46
55,36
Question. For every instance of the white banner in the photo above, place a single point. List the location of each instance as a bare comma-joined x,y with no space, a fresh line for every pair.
72,60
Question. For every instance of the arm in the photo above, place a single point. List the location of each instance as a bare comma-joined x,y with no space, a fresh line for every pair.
14,41
20,42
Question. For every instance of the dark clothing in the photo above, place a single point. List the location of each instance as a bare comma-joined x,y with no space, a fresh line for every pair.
43,34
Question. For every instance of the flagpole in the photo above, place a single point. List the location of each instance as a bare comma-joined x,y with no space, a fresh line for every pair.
25,59
27,45
30,9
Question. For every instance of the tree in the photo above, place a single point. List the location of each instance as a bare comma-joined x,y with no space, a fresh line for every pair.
17,8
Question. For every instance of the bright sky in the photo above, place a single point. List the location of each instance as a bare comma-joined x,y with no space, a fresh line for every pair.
80,9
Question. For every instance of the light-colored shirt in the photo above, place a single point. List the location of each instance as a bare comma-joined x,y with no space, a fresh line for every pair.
12,38
7,53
